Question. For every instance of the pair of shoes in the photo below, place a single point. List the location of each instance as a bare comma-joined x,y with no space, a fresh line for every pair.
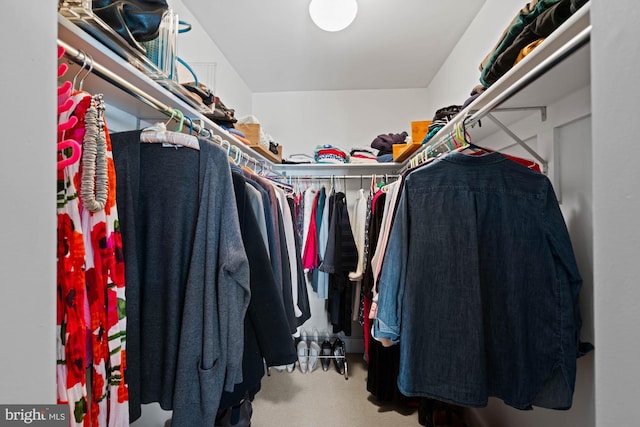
308,352
303,357
337,351
325,352
314,352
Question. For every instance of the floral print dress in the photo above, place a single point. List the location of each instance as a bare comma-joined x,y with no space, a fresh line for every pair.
91,320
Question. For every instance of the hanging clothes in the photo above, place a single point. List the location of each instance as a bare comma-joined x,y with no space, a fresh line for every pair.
358,224
322,278
188,276
91,319
377,212
320,246
266,329
341,257
303,296
507,315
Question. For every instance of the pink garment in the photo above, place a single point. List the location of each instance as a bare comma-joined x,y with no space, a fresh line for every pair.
310,253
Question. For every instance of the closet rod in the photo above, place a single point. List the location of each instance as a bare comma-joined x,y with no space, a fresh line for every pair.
312,177
578,41
80,58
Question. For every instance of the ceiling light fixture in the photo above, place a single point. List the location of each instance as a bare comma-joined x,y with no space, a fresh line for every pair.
333,15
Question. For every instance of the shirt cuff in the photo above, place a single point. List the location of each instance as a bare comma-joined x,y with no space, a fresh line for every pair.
382,332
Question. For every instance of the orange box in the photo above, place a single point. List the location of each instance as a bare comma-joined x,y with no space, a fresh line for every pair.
419,130
402,151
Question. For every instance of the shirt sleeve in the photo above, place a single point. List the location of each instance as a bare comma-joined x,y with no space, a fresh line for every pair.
386,326
233,286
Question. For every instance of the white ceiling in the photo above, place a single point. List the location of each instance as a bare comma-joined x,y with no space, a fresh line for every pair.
392,44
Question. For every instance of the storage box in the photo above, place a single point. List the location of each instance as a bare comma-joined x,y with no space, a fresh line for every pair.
275,158
402,151
419,130
251,132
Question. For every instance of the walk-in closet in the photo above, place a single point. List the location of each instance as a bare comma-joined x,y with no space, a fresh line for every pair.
427,215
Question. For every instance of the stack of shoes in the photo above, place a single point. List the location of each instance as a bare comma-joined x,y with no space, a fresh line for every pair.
337,351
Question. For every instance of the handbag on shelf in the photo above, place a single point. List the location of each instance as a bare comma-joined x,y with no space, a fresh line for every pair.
136,21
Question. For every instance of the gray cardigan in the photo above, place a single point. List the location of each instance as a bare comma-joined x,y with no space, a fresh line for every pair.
187,276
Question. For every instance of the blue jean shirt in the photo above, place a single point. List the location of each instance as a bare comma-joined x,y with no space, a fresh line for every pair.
480,286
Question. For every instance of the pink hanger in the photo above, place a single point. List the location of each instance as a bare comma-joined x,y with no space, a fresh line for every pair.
75,153
64,104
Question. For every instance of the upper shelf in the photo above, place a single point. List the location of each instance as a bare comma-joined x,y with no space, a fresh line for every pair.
113,72
544,76
347,169
556,68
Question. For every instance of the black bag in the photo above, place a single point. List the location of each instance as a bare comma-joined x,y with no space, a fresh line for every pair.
135,21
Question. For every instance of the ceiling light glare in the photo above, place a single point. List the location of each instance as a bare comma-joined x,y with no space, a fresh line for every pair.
333,15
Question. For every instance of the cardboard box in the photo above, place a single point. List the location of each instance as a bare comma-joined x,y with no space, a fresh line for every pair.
419,130
251,132
268,154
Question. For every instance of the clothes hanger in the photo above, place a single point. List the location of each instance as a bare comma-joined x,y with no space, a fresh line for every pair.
89,70
68,146
158,133
467,143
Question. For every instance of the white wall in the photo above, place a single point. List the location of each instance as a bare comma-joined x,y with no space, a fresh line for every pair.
28,190
460,73
615,59
301,120
200,52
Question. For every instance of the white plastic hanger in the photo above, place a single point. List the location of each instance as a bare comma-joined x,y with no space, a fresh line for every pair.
158,133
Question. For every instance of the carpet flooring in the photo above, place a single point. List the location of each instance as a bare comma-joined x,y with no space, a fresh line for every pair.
325,399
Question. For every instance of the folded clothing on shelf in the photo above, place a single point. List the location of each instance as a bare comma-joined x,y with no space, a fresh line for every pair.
444,116
328,153
384,143
358,155
534,24
298,159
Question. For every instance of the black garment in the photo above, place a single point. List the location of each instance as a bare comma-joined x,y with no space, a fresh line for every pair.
137,242
382,371
541,27
341,257
266,330
287,291
272,230
303,295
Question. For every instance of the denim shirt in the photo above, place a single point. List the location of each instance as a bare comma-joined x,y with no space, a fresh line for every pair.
480,286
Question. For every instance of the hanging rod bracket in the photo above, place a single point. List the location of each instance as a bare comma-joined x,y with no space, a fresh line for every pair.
505,129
